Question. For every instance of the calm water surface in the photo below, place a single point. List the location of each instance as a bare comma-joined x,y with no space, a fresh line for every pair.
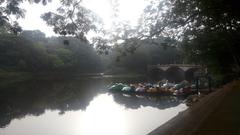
81,107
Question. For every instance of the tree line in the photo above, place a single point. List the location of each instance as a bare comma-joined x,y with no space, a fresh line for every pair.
32,51
207,31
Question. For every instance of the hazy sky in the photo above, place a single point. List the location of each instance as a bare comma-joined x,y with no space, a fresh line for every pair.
128,10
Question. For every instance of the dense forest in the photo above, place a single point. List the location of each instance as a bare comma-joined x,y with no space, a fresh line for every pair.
32,51
204,32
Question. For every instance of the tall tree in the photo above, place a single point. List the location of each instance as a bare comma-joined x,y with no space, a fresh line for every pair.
208,30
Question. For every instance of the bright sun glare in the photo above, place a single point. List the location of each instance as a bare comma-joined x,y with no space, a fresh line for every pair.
129,10
104,117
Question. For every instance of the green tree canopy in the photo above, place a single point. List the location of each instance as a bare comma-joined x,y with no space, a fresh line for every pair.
207,30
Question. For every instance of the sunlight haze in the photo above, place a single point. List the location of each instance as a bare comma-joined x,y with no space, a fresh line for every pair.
128,11
119,67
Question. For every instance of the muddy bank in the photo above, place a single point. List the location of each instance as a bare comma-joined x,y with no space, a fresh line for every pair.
188,122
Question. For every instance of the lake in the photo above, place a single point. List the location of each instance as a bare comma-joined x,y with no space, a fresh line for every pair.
81,107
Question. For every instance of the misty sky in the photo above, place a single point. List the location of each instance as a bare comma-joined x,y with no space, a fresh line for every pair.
129,10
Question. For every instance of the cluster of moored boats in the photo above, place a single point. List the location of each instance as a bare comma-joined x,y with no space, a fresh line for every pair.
181,88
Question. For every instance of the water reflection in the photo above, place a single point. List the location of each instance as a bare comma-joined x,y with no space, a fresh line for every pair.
134,101
34,97
80,107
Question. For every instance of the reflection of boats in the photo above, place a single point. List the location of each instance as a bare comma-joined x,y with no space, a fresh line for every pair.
136,100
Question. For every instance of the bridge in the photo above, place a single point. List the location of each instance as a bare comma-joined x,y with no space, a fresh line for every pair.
174,72
165,67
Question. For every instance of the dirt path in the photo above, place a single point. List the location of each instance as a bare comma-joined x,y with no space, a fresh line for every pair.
197,118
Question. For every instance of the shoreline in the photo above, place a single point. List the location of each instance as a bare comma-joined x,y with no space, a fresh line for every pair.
188,121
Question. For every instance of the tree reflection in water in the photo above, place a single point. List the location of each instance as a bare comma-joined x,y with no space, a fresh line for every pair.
35,97
135,101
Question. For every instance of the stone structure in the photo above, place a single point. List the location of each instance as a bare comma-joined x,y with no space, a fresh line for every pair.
174,72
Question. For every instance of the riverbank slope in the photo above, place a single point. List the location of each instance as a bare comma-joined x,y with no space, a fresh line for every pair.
215,114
